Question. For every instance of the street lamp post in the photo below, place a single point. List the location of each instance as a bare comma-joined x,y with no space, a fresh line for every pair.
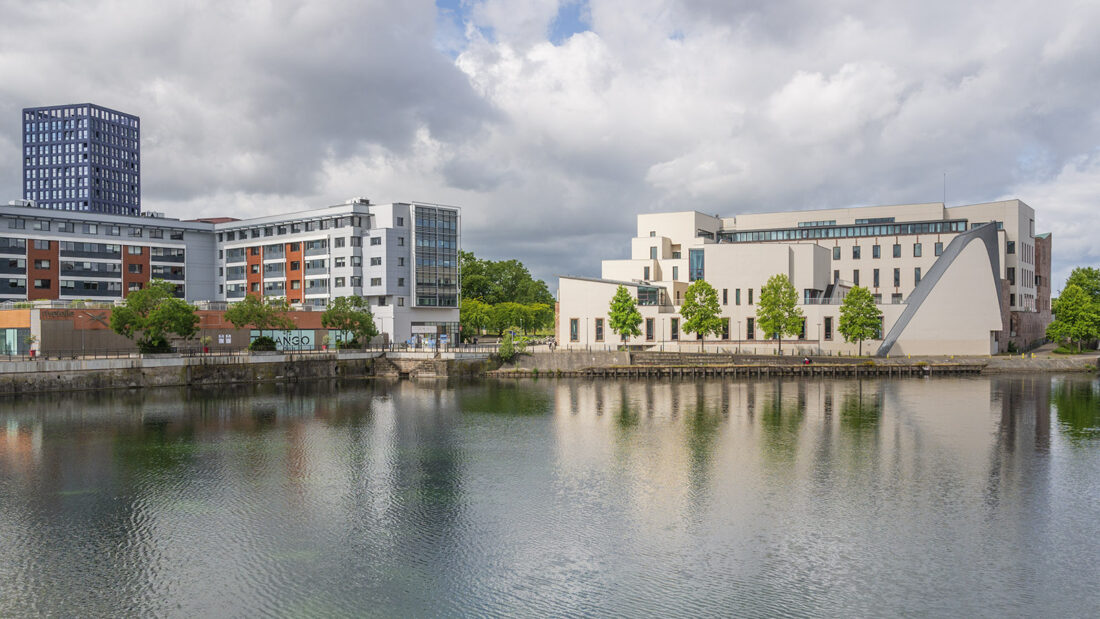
739,336
819,338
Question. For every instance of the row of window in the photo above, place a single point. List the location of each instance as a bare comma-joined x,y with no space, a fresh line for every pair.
296,227
107,269
312,286
18,223
875,277
839,232
674,329
876,251
270,252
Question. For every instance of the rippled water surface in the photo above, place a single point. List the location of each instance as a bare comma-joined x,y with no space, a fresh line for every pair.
945,497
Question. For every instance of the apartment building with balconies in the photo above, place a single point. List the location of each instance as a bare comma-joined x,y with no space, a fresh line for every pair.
401,257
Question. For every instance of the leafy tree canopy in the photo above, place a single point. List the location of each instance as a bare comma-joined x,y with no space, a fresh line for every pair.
1076,317
500,281
149,316
352,315
474,315
260,313
623,316
1088,279
778,313
859,317
701,310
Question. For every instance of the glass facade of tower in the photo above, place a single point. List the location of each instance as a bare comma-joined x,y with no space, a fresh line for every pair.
436,256
82,157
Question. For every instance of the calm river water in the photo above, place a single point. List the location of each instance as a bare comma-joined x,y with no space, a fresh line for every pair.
944,497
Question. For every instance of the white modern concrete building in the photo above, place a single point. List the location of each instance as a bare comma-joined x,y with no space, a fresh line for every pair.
960,280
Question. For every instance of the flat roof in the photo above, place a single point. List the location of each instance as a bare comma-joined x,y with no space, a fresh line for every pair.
86,103
600,280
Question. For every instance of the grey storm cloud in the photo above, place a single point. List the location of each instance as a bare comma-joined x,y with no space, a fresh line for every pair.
552,149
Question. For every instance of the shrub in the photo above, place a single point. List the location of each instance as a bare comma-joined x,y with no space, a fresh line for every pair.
262,343
153,346
507,350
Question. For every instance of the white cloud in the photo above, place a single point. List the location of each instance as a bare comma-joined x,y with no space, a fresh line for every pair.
725,106
813,108
1068,206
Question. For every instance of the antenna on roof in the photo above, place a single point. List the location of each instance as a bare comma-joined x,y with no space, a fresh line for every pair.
945,188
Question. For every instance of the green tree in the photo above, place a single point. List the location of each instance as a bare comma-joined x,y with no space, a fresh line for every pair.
500,281
351,315
474,277
859,317
623,316
1076,317
474,316
509,315
260,313
150,315
778,313
1088,278
701,310
542,315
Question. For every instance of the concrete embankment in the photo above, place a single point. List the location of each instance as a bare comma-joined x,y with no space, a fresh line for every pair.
173,371
666,364
80,374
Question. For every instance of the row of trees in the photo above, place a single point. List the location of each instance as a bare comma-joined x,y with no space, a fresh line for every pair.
477,316
777,312
501,295
152,315
1077,310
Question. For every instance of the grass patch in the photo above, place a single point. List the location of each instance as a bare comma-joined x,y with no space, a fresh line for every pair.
1066,350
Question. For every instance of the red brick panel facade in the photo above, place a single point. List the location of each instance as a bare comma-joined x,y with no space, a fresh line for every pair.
43,266
253,271
294,271
141,265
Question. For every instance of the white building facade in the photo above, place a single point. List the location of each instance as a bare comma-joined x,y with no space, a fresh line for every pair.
991,287
401,257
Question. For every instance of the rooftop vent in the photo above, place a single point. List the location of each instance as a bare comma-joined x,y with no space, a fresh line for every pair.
156,214
30,203
359,200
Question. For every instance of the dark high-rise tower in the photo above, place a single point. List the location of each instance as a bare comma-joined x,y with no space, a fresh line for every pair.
82,157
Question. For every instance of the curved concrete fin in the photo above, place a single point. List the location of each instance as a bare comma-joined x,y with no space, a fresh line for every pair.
987,234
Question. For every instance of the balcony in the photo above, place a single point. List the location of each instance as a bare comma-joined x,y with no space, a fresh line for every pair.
102,255
316,270
81,292
90,273
316,251
162,257
235,294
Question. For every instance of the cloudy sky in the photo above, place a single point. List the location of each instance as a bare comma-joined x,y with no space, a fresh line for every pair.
554,122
